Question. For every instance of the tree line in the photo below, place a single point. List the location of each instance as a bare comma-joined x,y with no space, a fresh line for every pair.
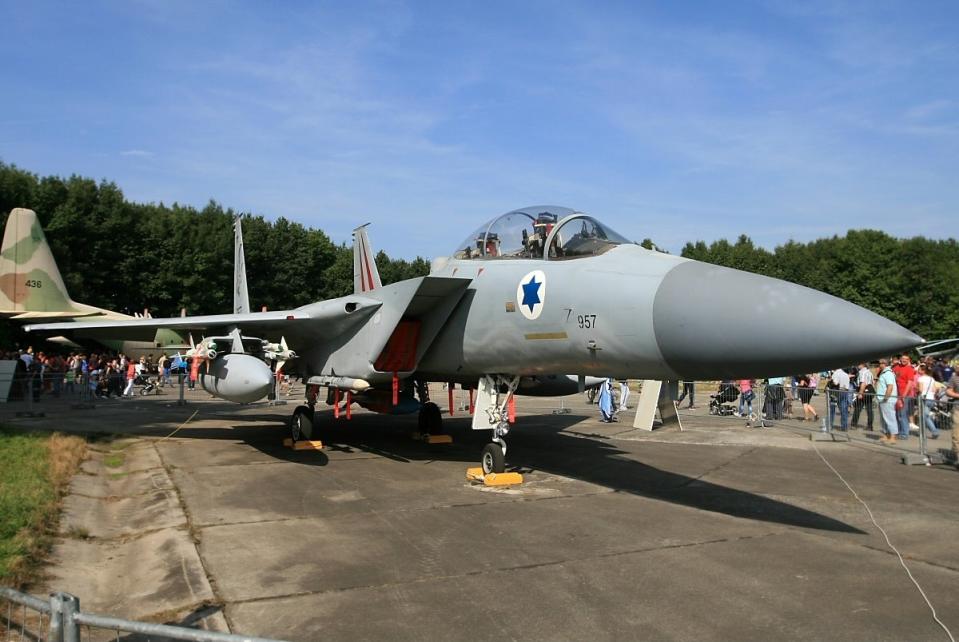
128,256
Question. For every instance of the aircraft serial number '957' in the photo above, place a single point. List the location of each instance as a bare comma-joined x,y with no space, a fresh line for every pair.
586,320
31,283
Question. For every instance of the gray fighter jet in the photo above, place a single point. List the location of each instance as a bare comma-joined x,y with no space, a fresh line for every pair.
535,291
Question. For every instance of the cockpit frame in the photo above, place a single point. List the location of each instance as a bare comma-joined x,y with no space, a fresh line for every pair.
533,233
549,255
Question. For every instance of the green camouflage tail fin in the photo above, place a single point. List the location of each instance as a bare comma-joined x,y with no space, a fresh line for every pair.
30,282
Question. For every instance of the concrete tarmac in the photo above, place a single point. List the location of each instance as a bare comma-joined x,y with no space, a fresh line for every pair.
718,532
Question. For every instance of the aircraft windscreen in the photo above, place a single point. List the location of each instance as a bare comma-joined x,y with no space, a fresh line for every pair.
583,236
520,234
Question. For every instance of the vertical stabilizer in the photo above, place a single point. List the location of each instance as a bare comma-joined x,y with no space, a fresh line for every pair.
365,275
29,278
241,298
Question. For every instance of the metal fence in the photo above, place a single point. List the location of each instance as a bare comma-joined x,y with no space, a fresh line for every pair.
59,619
33,394
915,424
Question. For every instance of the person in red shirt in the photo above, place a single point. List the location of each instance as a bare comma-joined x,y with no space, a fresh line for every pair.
906,385
131,375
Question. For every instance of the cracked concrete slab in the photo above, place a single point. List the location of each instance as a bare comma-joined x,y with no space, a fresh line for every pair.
157,573
121,484
369,549
132,457
111,517
709,592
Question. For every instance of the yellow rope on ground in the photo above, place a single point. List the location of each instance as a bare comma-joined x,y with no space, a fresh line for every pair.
889,543
181,425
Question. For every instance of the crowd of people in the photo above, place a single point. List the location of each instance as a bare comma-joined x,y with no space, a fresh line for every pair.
907,395
104,375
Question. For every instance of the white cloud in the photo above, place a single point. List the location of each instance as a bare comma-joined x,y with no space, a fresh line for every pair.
139,153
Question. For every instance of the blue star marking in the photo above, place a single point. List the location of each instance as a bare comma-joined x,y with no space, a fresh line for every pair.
531,293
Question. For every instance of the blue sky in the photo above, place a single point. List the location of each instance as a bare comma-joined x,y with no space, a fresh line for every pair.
675,121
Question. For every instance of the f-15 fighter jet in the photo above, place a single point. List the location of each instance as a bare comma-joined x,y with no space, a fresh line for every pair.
535,291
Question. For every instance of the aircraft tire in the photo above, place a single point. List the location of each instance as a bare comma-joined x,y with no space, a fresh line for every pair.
430,419
302,424
493,459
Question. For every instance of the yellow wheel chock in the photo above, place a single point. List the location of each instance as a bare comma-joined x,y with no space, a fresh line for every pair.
493,479
303,444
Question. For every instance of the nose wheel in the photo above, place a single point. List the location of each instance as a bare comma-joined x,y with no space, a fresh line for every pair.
493,458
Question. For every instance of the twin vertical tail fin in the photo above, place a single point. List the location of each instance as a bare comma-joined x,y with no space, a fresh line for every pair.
365,275
30,282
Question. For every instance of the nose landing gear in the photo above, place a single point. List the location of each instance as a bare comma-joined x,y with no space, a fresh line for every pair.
494,458
492,413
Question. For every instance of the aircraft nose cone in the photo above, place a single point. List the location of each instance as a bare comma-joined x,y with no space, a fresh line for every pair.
713,322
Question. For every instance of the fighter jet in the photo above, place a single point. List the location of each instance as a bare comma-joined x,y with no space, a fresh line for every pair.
535,291
31,288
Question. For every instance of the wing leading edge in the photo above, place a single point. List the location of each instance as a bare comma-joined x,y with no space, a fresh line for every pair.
329,317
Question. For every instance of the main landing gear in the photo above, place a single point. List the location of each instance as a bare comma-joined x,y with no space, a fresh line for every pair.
302,424
430,419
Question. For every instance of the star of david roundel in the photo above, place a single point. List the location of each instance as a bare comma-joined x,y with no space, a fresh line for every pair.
531,294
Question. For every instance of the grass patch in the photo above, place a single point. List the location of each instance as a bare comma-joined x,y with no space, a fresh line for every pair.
114,461
35,469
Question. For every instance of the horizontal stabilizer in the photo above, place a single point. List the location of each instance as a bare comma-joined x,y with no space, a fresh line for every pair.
67,314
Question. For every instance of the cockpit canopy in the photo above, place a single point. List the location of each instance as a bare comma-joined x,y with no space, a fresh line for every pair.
525,233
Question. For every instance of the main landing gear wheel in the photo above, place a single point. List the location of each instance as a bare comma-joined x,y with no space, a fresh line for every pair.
301,424
430,419
493,458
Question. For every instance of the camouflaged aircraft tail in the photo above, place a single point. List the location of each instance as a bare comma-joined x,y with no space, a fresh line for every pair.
30,283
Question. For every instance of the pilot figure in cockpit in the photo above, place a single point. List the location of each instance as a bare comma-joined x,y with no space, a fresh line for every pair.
542,226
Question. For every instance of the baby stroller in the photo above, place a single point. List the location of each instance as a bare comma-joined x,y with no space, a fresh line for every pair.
720,404
147,384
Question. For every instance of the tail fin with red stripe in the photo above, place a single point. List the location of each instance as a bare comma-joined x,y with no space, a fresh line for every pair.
365,275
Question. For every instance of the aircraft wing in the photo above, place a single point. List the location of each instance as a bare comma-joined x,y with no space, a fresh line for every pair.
325,318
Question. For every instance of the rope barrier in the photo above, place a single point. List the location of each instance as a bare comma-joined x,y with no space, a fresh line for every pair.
888,542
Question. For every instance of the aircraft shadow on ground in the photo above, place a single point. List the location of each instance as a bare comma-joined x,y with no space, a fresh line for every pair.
602,463
537,446
534,443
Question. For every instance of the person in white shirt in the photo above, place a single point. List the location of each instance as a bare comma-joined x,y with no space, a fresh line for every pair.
927,400
838,394
865,391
